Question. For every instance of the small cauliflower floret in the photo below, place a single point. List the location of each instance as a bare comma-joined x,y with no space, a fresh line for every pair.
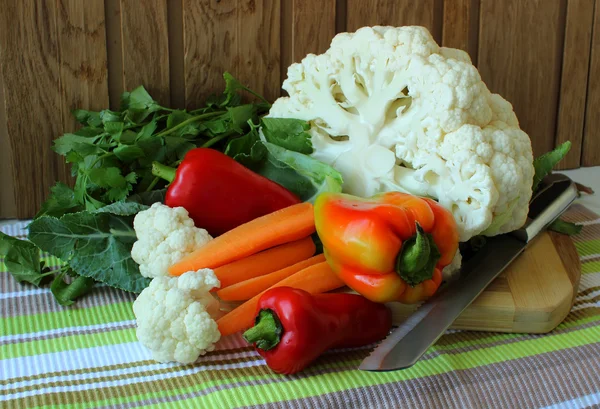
165,235
391,110
174,316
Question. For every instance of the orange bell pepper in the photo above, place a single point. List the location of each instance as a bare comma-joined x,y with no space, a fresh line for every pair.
390,247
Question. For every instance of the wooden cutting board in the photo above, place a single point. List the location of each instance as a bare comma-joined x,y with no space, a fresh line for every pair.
534,294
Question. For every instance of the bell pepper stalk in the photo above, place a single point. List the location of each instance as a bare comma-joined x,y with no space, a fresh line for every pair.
220,193
293,327
390,247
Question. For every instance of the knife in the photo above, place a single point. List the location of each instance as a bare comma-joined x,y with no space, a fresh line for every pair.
408,342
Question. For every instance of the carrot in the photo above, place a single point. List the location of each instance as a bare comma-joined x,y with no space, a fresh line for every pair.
265,262
249,288
285,225
315,279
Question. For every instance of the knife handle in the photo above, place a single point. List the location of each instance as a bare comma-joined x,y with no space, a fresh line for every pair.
555,196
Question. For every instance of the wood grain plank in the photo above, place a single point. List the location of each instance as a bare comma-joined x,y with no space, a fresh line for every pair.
519,57
591,139
313,27
83,66
8,204
242,37
176,58
210,47
573,87
307,27
31,81
258,30
394,13
460,27
114,51
146,47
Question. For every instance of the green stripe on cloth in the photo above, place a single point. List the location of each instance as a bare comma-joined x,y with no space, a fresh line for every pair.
586,248
87,357
46,346
66,318
590,267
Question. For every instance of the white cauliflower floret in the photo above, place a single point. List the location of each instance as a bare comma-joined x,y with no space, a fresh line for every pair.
165,236
391,110
174,316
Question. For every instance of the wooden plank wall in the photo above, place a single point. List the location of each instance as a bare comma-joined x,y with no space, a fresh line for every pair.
57,55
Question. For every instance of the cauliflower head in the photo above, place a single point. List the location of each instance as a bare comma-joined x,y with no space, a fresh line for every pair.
174,316
165,236
391,110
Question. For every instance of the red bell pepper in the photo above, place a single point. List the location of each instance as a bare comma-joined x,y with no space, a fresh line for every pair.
293,327
390,247
220,193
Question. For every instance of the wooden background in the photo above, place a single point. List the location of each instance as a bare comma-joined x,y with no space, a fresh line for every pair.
57,55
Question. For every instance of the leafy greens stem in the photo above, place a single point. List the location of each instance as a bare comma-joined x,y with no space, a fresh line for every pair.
257,95
152,184
218,138
99,158
189,121
121,233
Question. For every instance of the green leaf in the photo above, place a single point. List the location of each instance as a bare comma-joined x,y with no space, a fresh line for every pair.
147,130
149,198
87,117
108,116
123,208
107,177
301,174
220,101
80,144
124,101
128,153
232,86
90,132
568,228
141,105
115,129
116,193
288,133
67,293
247,150
176,117
177,147
544,164
95,245
239,116
22,259
154,150
61,200
128,137
216,125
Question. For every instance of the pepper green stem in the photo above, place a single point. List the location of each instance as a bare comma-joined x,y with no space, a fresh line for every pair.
418,257
266,332
163,171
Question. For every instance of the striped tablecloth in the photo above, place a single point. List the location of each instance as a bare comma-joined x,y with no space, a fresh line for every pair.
87,357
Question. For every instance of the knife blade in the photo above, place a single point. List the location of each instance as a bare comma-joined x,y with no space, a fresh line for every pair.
407,343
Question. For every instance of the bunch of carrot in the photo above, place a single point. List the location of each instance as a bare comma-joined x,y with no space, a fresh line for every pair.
272,251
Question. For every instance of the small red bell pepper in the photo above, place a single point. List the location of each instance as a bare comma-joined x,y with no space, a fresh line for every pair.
293,327
390,247
220,193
